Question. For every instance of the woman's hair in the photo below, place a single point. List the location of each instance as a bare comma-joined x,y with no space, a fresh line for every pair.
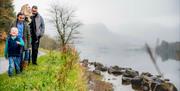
25,9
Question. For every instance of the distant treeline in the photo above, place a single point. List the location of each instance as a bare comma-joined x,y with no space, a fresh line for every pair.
169,50
49,43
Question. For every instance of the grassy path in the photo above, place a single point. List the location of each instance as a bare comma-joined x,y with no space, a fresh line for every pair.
55,72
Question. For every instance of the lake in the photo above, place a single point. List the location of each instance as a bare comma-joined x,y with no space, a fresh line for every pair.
137,59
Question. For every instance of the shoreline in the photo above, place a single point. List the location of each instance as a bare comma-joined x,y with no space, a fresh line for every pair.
138,81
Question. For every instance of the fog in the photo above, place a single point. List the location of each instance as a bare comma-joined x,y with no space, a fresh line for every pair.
141,20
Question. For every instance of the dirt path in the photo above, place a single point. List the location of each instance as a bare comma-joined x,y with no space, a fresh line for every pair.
3,65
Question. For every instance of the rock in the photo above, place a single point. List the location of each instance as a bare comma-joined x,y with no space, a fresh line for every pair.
98,72
97,64
146,74
136,83
146,87
85,62
101,68
131,73
91,63
167,80
126,80
166,87
115,70
159,76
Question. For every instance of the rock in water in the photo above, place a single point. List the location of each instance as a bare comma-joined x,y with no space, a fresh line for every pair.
115,70
126,80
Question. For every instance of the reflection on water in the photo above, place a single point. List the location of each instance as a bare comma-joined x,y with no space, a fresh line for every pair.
136,59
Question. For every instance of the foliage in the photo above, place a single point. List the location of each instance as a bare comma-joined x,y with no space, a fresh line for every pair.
7,14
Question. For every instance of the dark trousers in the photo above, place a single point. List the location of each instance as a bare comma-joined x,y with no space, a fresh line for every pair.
35,46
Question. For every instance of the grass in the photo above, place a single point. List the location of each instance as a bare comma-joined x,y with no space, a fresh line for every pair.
55,72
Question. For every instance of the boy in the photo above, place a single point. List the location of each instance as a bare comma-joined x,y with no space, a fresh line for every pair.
13,50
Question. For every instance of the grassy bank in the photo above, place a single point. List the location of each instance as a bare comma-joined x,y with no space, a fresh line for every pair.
55,72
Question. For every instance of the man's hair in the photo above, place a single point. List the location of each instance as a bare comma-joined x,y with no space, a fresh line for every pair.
35,7
20,13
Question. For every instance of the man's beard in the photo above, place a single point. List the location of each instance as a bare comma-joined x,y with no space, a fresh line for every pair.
35,14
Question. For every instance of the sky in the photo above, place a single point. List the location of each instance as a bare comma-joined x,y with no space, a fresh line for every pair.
128,17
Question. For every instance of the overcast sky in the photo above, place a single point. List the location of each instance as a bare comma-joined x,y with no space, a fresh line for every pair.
116,14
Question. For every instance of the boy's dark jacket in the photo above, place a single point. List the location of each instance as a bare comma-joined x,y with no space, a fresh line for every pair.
26,34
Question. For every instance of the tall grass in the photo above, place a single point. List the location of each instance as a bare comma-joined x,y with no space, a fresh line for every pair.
55,72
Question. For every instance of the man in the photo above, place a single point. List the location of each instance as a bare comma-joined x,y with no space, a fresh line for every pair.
24,33
37,30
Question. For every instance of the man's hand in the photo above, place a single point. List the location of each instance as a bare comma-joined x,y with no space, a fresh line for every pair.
29,49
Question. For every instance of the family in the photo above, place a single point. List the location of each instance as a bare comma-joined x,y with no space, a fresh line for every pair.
24,35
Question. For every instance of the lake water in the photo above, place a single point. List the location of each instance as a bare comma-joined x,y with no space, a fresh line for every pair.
136,59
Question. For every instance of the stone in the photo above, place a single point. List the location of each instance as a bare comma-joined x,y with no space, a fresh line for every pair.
126,80
97,72
115,70
131,73
136,83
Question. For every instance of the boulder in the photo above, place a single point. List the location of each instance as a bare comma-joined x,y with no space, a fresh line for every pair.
115,70
136,83
126,80
167,86
98,64
85,62
130,73
101,68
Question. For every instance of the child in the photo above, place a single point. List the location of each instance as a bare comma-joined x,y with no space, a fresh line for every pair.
13,51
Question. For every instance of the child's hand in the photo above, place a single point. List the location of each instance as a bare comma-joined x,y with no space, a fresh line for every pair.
6,56
18,42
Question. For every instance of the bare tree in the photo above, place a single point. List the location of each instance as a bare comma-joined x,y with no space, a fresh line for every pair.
63,18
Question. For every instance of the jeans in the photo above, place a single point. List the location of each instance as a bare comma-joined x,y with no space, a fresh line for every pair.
14,62
26,55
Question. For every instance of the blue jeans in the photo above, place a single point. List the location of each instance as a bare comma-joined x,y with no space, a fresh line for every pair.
14,62
26,55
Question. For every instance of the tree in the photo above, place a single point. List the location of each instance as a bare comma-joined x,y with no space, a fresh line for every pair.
63,19
7,15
